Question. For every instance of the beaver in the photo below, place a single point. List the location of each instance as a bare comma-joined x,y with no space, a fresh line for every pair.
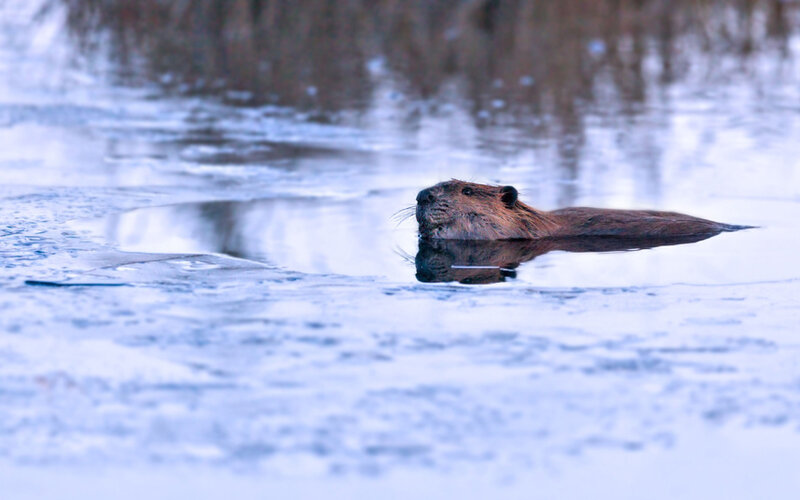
461,210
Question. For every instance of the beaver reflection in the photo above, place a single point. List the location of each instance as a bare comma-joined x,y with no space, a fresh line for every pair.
479,262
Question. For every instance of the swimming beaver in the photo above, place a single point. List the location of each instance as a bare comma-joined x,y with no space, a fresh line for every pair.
461,210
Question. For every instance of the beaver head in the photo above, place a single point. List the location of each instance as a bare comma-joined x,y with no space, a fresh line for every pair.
461,210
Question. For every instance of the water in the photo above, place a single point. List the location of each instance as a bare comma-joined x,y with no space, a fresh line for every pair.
268,333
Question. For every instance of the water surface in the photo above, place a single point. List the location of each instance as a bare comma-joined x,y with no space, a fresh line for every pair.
271,333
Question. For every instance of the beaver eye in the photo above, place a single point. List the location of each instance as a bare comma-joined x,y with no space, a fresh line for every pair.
467,191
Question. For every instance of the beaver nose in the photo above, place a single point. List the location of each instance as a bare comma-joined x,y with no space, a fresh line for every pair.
426,196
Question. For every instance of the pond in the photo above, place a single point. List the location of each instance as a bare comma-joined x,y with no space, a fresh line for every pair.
209,286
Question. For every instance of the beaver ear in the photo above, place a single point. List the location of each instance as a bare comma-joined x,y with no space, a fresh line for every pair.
509,195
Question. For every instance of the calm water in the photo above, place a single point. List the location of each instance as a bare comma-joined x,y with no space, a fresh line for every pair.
267,333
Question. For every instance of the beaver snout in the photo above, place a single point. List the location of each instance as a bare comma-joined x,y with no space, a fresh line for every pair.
426,196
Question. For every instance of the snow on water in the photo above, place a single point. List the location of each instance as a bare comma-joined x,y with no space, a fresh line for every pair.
270,329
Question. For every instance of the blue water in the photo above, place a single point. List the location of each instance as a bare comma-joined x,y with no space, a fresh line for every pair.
269,337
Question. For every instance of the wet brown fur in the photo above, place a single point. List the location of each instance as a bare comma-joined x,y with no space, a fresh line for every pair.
468,211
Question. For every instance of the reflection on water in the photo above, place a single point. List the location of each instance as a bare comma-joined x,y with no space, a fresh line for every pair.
476,262
352,237
560,93
529,56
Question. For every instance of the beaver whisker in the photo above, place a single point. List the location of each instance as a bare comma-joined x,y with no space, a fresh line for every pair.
404,213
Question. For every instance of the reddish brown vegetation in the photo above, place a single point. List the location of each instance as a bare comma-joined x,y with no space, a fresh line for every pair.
539,56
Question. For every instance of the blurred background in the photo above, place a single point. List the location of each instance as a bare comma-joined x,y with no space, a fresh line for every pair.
512,78
544,68
513,59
